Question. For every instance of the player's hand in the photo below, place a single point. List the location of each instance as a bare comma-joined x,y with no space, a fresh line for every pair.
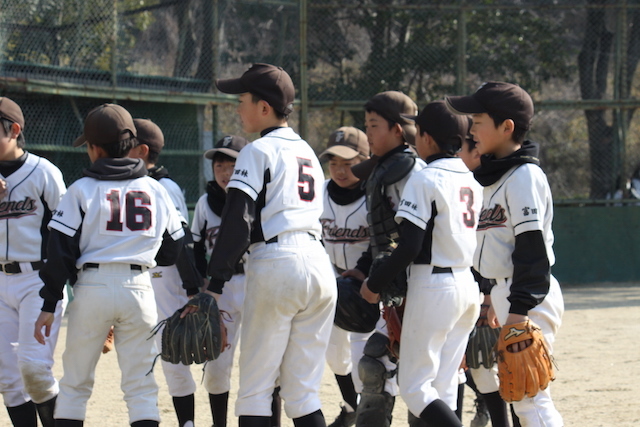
369,296
45,319
512,319
355,273
492,319
192,308
3,189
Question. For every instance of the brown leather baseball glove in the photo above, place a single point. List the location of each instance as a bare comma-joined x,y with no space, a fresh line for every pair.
527,371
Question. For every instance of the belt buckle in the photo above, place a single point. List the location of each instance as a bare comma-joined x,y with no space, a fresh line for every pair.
11,264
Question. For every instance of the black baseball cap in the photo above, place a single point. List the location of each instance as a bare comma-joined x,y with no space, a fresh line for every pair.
448,129
229,145
149,134
11,111
269,82
346,142
392,105
505,100
107,124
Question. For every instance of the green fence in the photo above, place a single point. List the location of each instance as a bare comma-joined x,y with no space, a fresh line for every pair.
159,58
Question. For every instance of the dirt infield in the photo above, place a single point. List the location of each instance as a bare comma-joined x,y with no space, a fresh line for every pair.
596,351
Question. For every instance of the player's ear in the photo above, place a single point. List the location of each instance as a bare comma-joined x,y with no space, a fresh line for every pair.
264,107
508,126
15,130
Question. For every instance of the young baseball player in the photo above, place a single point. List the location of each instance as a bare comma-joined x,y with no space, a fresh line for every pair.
437,218
32,188
172,284
205,228
388,133
514,233
110,227
273,207
345,233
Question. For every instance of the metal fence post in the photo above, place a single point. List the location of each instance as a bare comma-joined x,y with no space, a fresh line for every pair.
304,84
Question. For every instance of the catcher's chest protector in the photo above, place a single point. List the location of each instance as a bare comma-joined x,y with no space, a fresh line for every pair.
383,228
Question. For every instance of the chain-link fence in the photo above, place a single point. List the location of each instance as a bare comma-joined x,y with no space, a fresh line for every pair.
578,59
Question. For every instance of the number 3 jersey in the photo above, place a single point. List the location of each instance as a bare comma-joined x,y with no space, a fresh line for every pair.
281,172
444,199
117,221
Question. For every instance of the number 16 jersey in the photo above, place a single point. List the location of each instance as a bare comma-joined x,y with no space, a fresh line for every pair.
119,221
282,174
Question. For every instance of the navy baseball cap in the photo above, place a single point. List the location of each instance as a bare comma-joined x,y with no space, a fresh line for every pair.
269,82
229,145
448,129
149,134
392,105
11,111
505,100
107,124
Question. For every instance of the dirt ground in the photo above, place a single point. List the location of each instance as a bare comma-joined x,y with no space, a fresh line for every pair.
596,351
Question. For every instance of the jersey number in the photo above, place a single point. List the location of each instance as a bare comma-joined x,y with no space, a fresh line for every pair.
466,196
306,188
138,217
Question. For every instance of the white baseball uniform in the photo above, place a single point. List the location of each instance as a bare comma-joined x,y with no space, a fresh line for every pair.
345,233
519,202
111,231
290,293
442,199
205,227
34,191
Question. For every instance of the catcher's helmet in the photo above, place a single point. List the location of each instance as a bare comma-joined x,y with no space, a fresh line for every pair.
354,313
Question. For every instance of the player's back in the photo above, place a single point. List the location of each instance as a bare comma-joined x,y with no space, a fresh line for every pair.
445,199
283,173
119,221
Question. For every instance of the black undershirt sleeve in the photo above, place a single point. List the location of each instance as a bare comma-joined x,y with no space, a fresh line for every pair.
233,239
186,264
169,250
409,246
63,251
531,272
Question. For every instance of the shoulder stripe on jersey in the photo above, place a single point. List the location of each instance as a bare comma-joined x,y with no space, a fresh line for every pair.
283,138
525,222
422,221
73,230
245,183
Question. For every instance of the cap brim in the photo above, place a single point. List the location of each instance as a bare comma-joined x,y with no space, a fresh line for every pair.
81,140
409,117
228,151
464,105
232,86
341,151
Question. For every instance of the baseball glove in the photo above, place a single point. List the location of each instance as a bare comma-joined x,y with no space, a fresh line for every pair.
354,313
480,348
198,337
528,371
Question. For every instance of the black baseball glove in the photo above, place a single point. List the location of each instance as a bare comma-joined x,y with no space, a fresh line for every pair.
196,338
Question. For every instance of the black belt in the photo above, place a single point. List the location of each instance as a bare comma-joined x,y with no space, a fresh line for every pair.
275,239
135,267
14,267
494,282
440,270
